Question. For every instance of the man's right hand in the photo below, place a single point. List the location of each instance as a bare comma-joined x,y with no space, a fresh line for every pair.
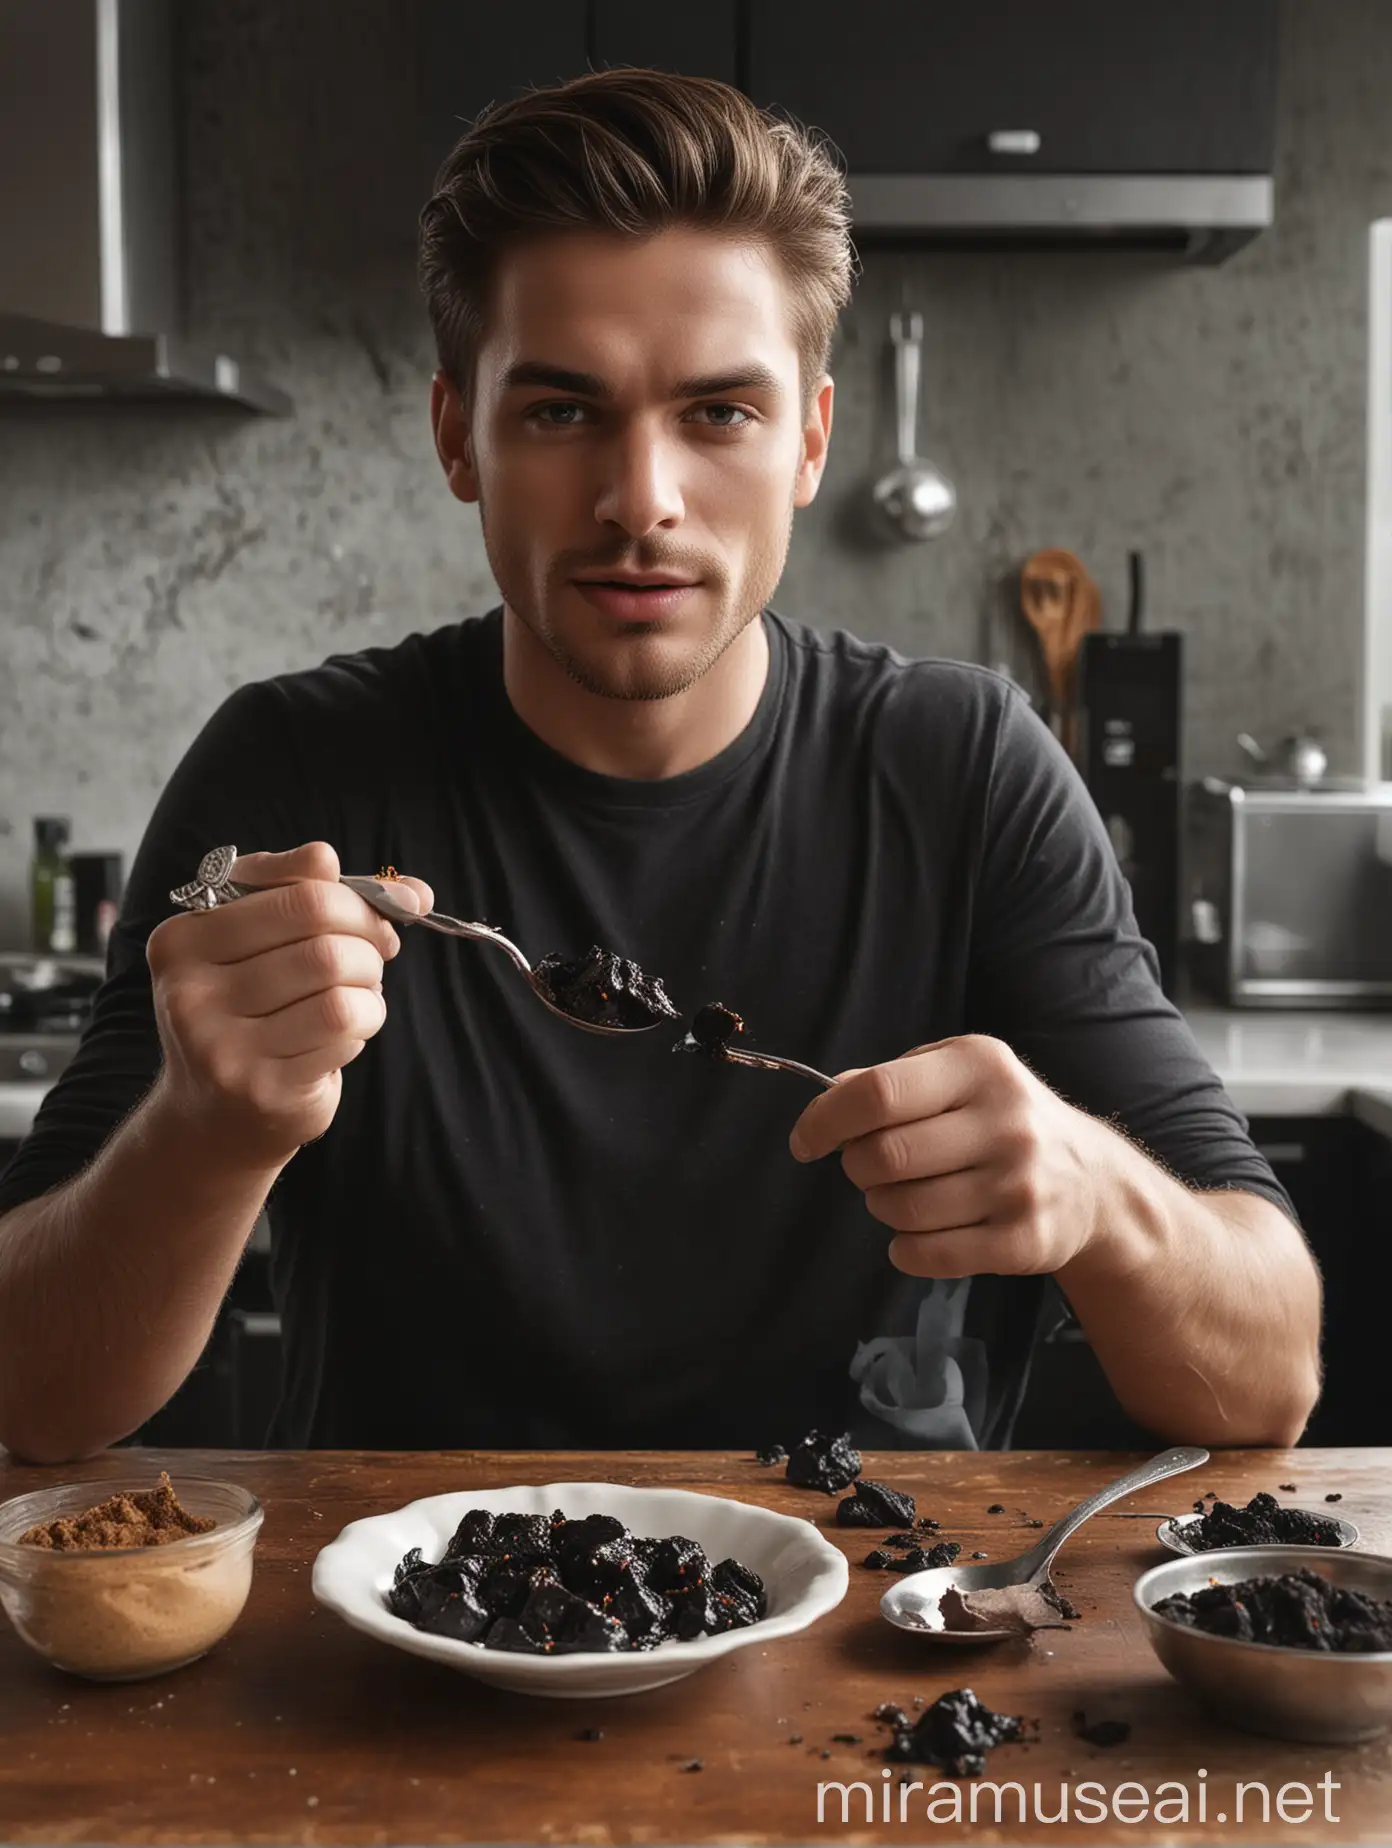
261,1003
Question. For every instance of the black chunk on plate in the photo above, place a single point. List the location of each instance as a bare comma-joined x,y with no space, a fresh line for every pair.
444,1600
739,1594
677,1564
560,1623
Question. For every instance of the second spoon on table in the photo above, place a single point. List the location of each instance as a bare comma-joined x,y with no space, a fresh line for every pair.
915,1603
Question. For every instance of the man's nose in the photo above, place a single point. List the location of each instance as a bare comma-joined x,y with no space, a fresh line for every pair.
639,490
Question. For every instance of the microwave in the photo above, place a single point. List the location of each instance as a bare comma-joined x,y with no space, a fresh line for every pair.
1290,894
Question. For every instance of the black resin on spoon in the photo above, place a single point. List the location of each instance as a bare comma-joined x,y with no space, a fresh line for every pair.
711,1031
604,989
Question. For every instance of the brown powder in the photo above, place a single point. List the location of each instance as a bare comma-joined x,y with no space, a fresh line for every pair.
151,1518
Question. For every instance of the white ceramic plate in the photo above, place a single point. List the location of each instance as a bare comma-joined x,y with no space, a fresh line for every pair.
804,1575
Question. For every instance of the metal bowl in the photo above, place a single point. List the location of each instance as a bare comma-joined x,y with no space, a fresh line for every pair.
1171,1535
1300,1694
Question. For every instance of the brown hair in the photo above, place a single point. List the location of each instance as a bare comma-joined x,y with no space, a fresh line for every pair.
635,152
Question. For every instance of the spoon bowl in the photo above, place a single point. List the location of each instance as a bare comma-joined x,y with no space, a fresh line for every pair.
915,1603
916,500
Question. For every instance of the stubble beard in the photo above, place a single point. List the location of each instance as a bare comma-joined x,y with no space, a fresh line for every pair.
645,679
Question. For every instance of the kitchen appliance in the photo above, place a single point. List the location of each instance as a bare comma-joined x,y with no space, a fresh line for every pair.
1291,893
1002,125
89,211
45,1001
1129,722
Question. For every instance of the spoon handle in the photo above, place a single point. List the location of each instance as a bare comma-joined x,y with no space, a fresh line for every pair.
379,896
1168,1463
767,1062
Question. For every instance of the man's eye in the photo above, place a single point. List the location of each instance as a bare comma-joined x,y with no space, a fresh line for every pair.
723,423
558,423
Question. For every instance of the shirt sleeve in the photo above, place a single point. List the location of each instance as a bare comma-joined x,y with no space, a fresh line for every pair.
233,786
1060,972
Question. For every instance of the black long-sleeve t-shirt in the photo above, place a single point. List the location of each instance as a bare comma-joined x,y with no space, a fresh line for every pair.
515,1234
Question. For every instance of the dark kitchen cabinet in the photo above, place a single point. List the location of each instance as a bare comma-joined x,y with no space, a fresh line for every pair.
699,41
1339,1176
921,86
474,55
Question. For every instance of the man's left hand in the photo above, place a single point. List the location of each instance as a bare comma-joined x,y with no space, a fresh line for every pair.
966,1155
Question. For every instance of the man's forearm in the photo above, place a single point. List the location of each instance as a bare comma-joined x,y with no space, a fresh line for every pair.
1203,1308
109,1286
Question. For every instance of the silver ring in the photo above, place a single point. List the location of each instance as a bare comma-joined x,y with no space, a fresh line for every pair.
212,887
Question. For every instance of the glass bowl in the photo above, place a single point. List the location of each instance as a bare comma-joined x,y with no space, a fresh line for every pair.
122,1614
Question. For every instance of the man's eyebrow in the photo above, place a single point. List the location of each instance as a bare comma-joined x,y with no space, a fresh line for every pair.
752,377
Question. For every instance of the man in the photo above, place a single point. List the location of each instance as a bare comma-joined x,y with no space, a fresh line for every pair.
493,1230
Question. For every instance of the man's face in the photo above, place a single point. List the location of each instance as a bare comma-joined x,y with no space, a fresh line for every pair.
636,410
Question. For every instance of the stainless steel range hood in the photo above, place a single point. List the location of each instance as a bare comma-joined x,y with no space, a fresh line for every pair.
89,220
1205,216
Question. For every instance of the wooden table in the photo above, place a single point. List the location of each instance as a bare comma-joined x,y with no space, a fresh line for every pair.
298,1729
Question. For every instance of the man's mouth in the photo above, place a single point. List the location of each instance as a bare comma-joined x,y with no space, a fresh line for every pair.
630,598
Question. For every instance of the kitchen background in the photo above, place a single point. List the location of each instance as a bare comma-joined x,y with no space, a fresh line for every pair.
1212,420
151,559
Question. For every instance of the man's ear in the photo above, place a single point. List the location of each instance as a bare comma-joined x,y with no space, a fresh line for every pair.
449,419
816,435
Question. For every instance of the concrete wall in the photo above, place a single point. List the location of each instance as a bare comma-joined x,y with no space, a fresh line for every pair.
152,560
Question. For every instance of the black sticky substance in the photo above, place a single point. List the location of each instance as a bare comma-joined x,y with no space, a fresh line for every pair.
824,1462
711,1030
1101,1732
955,1734
875,1504
603,989
1297,1610
546,1585
775,1453
917,1559
1263,1522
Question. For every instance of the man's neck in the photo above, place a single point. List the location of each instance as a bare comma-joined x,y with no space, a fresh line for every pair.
643,739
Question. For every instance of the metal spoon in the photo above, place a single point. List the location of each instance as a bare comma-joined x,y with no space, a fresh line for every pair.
213,888
381,898
916,499
915,1602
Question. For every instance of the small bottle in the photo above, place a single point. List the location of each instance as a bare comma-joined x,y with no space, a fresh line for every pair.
55,899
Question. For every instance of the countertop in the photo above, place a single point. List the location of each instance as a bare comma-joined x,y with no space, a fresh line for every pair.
296,1729
1294,1063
